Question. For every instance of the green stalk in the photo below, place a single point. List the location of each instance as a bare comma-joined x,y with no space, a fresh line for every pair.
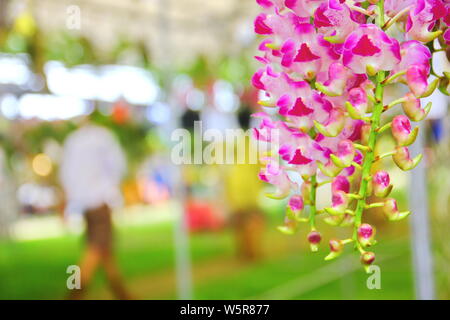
370,155
312,199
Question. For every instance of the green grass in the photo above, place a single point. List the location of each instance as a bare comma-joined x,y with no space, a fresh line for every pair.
37,269
256,281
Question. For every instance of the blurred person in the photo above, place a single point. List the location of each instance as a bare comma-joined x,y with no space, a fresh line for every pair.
92,168
242,193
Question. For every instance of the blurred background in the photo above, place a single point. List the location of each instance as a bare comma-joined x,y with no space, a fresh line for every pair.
141,68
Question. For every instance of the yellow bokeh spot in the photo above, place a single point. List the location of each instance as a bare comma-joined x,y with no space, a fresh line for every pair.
42,165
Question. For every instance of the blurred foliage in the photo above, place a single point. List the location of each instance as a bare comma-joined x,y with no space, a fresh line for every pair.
131,135
70,49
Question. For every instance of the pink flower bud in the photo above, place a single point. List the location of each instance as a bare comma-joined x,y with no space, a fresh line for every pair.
329,169
340,201
412,108
366,234
401,131
367,258
381,184
391,211
345,154
403,159
336,248
296,203
336,245
314,239
340,183
417,79
358,103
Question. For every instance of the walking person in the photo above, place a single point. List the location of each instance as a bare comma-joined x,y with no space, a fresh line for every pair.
92,168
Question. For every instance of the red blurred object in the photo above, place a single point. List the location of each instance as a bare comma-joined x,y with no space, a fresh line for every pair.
121,112
250,98
202,216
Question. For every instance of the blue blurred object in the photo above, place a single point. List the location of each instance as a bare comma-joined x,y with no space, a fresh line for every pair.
437,128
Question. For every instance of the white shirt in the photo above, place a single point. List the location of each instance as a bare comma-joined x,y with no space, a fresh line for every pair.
92,168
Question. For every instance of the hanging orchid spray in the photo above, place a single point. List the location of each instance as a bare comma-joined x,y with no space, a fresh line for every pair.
325,67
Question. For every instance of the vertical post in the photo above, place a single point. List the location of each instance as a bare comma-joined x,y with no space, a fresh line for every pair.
181,234
420,228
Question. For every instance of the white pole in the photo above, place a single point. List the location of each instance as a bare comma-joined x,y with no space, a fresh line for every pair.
420,229
181,232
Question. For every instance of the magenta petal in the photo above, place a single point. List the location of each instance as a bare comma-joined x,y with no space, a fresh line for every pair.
447,36
300,109
260,25
299,159
365,47
305,54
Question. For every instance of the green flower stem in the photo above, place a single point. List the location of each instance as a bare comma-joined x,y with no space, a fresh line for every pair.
312,199
385,127
324,183
370,155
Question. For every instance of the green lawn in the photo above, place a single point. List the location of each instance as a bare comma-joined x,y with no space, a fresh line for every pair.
36,269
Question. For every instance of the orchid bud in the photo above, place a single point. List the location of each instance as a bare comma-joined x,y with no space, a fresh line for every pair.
306,191
401,131
417,79
335,86
348,220
444,84
336,247
391,211
295,206
340,201
403,159
367,258
334,220
411,107
344,155
330,169
290,226
366,235
314,239
381,184
275,175
334,125
340,183
358,103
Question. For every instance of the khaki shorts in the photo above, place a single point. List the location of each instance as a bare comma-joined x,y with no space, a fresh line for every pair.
99,228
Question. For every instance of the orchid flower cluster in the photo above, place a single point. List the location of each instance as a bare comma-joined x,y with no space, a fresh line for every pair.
325,65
